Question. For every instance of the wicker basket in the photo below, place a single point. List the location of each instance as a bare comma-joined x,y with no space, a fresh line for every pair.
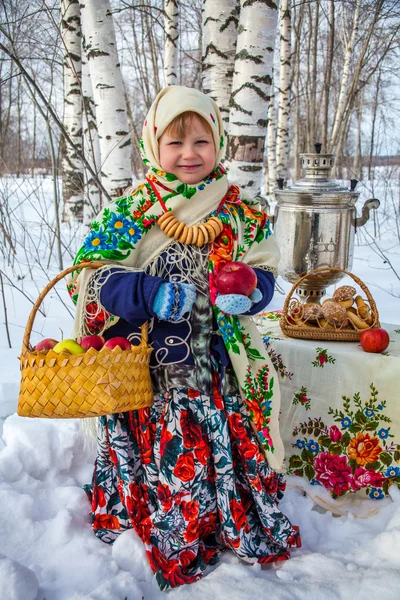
64,386
316,331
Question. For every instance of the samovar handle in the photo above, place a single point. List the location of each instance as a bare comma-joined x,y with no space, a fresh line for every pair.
372,203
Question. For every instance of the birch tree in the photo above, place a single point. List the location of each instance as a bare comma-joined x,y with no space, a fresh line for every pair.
108,95
328,76
282,132
341,105
251,92
91,148
72,168
220,22
171,42
271,149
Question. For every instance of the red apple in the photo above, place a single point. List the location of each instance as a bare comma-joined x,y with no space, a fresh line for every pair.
46,344
374,340
120,341
236,278
91,341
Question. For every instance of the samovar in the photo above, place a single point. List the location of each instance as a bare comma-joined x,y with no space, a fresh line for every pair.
314,223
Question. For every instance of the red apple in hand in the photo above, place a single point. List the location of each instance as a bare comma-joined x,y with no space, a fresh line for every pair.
46,344
91,341
374,340
120,341
236,278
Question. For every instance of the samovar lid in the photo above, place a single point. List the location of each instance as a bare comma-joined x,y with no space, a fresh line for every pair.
317,168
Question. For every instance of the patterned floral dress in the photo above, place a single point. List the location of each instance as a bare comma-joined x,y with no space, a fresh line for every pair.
187,473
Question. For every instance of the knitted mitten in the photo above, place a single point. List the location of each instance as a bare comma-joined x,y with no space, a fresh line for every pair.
174,300
233,304
256,296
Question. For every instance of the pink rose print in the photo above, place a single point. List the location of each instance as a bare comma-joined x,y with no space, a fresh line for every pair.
362,477
333,471
334,433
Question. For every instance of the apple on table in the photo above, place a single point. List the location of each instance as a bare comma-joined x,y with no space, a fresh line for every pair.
375,339
236,278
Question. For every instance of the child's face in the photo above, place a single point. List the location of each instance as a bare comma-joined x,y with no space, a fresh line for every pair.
190,158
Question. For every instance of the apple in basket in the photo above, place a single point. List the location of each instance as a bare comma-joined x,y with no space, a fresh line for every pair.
118,341
68,345
236,278
46,344
91,341
374,340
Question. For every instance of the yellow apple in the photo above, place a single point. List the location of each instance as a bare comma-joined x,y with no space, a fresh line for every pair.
68,345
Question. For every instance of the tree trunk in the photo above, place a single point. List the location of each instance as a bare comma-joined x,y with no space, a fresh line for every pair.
313,91
357,161
19,129
373,125
307,85
327,79
341,105
71,163
282,134
251,92
295,77
219,46
108,95
171,42
91,147
271,149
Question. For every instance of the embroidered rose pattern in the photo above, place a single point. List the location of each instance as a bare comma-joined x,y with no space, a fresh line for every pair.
355,453
302,398
322,358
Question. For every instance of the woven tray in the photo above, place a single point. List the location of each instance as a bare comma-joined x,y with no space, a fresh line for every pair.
313,330
98,382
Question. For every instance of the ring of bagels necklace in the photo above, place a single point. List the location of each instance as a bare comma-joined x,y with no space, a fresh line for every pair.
198,235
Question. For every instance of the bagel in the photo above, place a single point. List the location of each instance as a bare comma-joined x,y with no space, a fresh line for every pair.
200,236
363,310
179,230
346,303
164,217
195,233
356,321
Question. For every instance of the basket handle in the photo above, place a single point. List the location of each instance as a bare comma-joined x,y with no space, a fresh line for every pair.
328,270
83,265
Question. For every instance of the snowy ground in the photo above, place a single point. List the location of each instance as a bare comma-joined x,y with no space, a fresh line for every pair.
47,549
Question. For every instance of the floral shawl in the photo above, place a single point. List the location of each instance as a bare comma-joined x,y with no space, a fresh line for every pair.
125,232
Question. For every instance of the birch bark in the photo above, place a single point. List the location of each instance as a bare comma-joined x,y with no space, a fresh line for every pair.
171,42
271,149
72,169
108,94
327,78
251,92
282,131
341,105
219,46
92,202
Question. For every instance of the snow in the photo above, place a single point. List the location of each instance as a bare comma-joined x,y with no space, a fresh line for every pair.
48,550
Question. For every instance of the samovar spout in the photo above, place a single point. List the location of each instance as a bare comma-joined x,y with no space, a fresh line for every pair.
372,203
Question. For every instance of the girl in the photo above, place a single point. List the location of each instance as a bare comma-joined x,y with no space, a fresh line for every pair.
198,471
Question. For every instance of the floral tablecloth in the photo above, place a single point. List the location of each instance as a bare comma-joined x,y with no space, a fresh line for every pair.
340,417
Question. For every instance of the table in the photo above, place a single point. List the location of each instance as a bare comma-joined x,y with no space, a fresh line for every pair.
340,417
